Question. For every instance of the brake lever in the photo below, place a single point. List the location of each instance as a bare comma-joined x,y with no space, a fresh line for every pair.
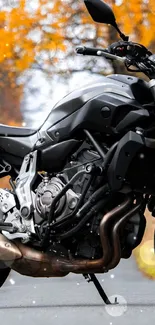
98,52
111,56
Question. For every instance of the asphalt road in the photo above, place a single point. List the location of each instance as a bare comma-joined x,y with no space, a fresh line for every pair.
71,300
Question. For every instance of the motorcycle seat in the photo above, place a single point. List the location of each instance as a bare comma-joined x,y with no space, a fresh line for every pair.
12,131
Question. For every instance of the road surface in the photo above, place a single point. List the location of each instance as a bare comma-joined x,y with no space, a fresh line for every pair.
71,300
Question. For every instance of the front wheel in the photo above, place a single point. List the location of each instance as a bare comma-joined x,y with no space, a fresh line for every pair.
4,272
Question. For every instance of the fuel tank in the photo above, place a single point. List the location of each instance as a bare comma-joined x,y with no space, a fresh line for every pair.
127,87
111,106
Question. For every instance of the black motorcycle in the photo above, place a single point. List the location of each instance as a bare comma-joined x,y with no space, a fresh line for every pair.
82,181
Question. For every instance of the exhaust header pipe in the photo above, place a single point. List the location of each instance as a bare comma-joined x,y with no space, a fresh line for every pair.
28,261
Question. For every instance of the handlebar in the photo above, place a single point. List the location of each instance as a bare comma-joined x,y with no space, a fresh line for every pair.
130,53
120,49
88,50
98,52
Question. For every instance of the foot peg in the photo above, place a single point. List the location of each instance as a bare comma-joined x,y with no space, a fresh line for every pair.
6,226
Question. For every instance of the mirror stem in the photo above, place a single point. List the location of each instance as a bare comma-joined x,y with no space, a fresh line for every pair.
124,37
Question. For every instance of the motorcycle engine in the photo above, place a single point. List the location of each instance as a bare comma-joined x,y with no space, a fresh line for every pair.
47,190
43,197
83,244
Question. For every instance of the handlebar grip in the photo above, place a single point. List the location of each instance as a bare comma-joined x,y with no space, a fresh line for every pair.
87,50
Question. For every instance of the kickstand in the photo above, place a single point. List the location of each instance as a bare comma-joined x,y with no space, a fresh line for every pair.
92,278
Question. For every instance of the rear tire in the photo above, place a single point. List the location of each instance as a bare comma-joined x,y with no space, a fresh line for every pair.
4,272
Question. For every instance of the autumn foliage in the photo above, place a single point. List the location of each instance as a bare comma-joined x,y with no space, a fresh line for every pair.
42,35
137,18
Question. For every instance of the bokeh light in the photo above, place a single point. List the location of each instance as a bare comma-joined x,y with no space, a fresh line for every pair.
145,258
118,306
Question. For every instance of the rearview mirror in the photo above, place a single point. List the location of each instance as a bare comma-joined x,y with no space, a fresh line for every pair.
100,12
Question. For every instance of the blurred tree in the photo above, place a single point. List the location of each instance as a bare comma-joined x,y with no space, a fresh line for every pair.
137,19
10,95
42,34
